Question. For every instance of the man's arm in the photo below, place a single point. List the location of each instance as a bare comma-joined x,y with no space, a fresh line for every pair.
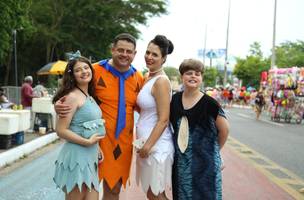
62,108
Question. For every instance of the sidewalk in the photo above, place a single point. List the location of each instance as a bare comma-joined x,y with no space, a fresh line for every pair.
32,142
241,180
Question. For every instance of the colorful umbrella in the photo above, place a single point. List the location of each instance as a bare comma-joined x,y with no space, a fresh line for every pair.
53,68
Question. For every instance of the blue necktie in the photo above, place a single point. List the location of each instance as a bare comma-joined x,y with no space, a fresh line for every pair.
121,118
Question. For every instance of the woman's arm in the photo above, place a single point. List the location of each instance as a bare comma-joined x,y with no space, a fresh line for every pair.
223,130
63,124
161,92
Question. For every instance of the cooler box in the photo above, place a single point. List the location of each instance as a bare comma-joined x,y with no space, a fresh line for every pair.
9,124
42,105
24,118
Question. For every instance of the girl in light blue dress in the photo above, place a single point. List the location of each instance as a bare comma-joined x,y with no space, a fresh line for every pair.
76,170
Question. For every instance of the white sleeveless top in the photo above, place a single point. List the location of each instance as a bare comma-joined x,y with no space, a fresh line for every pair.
148,119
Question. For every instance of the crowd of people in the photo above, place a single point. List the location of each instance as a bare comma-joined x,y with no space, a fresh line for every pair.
234,95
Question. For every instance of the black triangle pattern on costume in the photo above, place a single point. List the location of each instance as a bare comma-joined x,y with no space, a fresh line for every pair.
117,152
101,82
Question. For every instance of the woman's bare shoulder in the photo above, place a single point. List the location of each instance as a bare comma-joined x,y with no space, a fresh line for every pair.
72,98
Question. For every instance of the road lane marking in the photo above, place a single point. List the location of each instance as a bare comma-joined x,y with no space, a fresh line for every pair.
262,120
282,177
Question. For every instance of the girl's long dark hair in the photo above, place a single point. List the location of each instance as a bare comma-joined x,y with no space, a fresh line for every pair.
69,81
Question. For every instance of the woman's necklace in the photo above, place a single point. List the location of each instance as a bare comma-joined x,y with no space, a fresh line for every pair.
154,72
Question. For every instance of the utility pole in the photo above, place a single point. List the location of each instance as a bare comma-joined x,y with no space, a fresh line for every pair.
226,53
16,67
273,56
15,57
205,41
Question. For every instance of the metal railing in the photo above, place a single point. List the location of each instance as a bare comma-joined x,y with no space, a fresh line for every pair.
13,93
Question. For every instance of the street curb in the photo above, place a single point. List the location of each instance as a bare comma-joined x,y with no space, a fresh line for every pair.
25,149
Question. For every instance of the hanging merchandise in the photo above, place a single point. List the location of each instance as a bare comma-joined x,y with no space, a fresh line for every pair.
300,88
286,86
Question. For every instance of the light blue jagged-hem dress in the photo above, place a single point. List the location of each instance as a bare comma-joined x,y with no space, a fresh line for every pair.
77,164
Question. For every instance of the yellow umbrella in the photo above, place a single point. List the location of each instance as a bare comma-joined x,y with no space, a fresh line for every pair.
53,68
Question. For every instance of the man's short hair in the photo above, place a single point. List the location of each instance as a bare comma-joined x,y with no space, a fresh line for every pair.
125,36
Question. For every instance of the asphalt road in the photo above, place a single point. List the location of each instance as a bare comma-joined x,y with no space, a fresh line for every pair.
280,142
31,178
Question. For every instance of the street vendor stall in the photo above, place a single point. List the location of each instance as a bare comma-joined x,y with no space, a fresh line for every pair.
287,104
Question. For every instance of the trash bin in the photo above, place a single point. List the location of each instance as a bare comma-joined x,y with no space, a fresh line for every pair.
18,138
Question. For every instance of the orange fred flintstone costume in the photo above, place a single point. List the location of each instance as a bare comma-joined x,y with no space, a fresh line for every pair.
117,92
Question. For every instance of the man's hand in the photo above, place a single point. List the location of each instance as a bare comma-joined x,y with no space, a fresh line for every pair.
61,108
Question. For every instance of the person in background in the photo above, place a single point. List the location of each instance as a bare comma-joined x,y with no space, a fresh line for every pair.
4,102
27,92
155,158
259,104
76,168
200,130
39,90
231,97
117,84
241,97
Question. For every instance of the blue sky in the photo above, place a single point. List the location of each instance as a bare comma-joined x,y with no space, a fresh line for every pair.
250,21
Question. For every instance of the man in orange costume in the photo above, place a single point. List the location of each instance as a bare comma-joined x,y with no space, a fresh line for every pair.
117,85
112,77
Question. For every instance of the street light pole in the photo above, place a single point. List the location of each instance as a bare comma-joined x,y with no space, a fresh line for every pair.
15,57
205,41
273,56
226,53
15,63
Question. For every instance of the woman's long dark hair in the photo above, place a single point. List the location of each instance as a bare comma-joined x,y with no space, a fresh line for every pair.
69,81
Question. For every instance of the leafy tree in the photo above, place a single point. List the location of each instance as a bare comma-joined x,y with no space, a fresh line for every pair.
210,76
248,70
60,26
290,54
13,16
172,73
255,50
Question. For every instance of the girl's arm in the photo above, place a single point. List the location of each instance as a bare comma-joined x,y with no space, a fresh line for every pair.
161,92
223,130
63,124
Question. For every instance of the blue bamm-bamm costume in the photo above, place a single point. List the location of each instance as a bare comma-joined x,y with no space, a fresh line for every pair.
197,171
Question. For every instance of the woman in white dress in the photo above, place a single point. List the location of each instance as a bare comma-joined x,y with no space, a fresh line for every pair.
155,157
